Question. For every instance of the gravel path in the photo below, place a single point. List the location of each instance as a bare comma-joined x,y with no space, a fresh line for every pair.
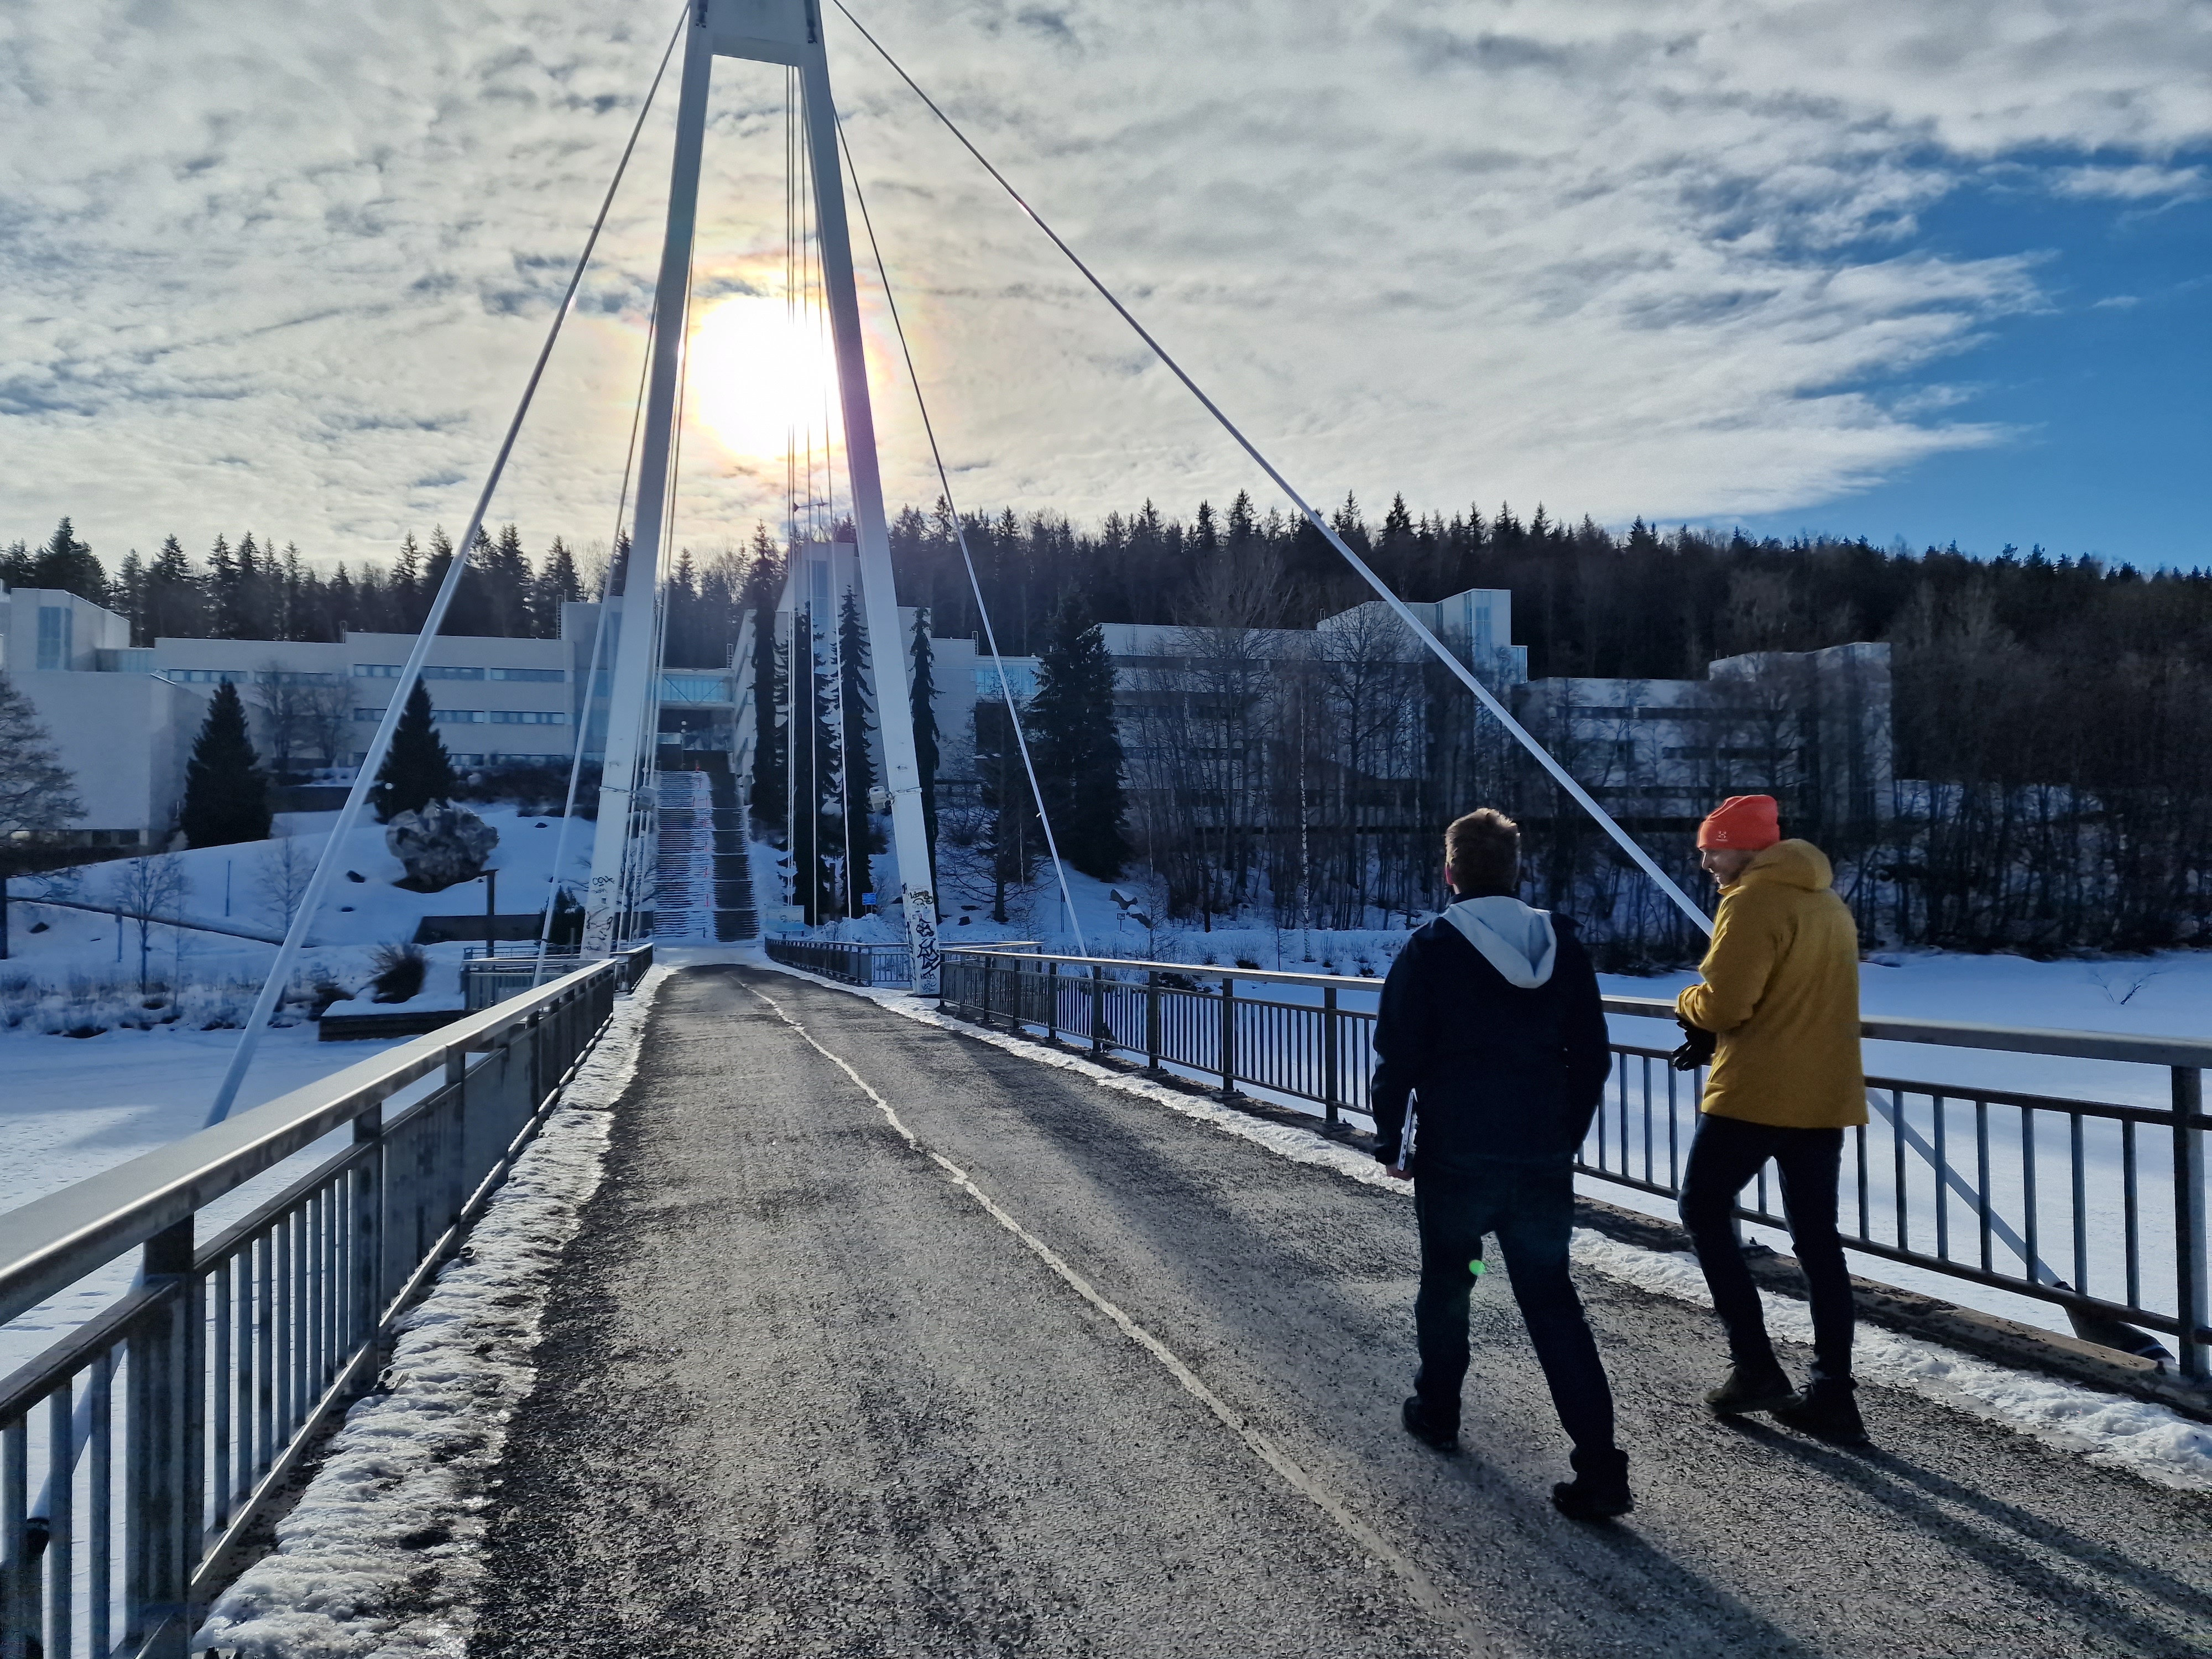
1066,1373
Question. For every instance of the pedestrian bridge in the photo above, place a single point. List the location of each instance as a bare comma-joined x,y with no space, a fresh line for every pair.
883,1336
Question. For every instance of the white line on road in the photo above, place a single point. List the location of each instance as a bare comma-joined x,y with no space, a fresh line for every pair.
1425,1595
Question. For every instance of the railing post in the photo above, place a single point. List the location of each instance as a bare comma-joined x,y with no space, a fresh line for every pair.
2192,1303
1098,1010
1228,1034
1052,1000
162,1476
1152,1019
1332,1094
988,969
369,1225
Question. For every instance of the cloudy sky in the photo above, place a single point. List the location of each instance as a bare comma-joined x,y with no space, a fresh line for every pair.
1931,271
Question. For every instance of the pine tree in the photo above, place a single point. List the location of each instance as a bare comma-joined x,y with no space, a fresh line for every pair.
860,766
1076,748
921,704
403,592
504,569
129,598
557,585
764,583
814,764
417,770
67,564
226,792
36,790
173,595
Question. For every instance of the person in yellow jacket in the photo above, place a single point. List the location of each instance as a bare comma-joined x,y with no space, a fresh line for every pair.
1778,1011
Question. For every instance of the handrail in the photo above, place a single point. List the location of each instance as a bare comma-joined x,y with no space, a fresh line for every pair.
54,1241
2095,1210
2168,1051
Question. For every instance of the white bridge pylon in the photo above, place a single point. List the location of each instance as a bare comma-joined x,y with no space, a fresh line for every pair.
789,33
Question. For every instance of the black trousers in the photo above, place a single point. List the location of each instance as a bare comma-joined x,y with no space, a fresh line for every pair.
1726,1154
1531,1208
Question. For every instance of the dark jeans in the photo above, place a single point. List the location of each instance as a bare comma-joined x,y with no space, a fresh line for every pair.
1531,1208
1726,1154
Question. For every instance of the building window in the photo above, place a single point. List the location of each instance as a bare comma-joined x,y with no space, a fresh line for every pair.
206,675
391,670
368,714
529,717
547,675
458,716
56,626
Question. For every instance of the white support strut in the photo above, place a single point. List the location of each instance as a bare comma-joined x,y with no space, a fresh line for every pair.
630,701
789,33
879,597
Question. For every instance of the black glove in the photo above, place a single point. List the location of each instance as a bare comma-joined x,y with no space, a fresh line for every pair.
1697,1049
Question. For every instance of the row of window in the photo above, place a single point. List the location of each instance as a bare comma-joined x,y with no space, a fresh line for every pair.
481,717
391,670
245,677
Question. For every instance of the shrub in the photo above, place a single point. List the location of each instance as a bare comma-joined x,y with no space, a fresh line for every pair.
399,970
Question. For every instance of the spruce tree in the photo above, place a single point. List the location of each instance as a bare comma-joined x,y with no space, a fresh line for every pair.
226,792
417,770
556,585
173,607
1076,748
36,791
860,765
68,564
763,582
921,703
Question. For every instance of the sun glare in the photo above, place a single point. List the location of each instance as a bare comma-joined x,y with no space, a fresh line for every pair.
758,373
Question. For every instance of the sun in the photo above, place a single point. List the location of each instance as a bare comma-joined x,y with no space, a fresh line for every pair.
759,373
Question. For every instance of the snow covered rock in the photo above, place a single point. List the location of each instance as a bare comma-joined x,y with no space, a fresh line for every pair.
440,845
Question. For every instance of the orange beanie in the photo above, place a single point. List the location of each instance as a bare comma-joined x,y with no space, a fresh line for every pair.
1753,823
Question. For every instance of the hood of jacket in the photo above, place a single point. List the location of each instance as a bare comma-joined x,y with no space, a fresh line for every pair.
1514,939
1791,864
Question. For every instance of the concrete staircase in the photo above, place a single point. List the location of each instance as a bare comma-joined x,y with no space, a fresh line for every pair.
706,887
683,895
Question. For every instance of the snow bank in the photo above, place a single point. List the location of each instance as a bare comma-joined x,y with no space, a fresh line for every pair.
2147,1440
380,1555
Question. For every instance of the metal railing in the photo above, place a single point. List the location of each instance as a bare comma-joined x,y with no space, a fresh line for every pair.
161,1428
490,978
840,959
1978,1183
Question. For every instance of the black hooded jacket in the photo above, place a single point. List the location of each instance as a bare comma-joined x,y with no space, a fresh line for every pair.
1497,1071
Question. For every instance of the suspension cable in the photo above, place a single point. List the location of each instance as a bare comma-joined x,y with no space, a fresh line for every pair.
411,673
960,533
1420,630
598,646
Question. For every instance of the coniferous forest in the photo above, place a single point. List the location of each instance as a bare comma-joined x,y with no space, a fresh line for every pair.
2060,708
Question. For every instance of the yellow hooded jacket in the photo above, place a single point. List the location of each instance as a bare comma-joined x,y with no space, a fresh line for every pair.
1782,989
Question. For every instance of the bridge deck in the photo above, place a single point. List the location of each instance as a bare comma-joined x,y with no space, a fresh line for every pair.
803,1394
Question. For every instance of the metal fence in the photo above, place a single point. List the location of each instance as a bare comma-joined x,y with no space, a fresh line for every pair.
2096,1206
155,1434
491,978
840,959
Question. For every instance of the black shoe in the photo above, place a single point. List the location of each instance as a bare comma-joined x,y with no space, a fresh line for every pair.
1419,1424
1752,1389
1599,1491
1828,1410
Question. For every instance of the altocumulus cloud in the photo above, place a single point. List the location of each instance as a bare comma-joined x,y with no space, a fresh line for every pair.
1618,257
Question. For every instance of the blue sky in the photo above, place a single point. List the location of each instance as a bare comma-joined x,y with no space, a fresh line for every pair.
1904,270
2103,388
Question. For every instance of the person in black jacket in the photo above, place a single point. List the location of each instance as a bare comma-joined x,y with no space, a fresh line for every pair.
1492,1057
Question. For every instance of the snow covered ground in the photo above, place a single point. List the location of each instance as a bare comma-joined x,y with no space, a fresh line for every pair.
72,1107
